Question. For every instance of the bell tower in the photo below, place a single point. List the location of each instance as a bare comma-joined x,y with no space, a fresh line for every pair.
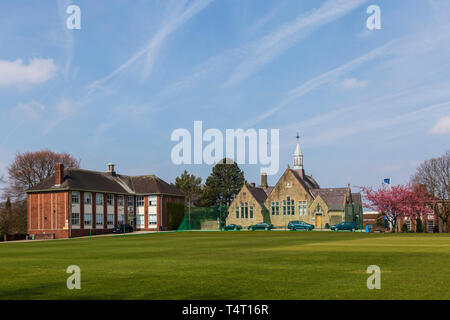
298,156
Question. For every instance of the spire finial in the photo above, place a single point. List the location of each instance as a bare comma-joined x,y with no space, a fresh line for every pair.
298,137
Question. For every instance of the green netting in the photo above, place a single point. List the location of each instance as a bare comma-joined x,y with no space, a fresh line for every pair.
204,218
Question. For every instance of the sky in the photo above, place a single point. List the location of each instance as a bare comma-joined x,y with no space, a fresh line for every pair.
368,104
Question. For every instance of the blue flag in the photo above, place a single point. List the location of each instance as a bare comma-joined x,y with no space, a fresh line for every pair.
387,180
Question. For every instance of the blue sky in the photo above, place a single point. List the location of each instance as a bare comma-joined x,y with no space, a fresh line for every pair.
368,104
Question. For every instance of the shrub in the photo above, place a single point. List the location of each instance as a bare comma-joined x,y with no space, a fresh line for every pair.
327,226
436,229
404,228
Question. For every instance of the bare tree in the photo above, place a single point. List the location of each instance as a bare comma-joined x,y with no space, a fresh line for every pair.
434,174
30,168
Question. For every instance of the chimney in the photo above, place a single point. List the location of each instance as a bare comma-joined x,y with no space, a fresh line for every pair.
252,184
264,180
111,169
59,174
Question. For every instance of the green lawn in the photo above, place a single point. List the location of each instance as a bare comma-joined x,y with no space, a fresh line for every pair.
230,265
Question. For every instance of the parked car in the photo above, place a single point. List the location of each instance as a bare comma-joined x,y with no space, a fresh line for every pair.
123,228
261,226
299,225
234,227
352,226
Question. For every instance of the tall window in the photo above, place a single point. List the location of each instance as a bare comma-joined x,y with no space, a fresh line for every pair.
110,200
284,207
75,218
139,219
99,199
87,219
430,226
131,204
87,198
139,201
242,210
99,219
292,207
246,209
275,208
302,208
152,219
75,197
120,219
251,212
110,219
120,201
237,212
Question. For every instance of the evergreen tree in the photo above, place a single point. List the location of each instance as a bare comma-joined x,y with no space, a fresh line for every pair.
224,182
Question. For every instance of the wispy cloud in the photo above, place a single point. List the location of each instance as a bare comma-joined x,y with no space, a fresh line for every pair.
65,109
322,79
274,44
182,14
31,110
353,83
16,73
442,126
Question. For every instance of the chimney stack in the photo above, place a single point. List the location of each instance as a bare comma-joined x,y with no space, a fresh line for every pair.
252,185
59,174
264,180
111,169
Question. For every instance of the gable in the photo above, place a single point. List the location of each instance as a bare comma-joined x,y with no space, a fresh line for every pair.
289,185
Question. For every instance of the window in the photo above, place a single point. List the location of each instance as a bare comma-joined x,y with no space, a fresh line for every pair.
242,210
302,208
140,201
110,200
430,226
284,207
131,205
75,197
99,219
87,219
139,220
246,209
292,207
251,212
120,218
152,201
110,219
408,224
75,218
275,208
237,212
87,198
99,199
288,201
151,219
120,201
318,209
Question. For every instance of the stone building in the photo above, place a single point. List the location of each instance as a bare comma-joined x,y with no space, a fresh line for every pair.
296,196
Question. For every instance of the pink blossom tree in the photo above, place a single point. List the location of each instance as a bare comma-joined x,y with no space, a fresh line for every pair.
398,202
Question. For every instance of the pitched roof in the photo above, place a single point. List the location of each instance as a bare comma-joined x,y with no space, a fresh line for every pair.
335,198
258,193
79,179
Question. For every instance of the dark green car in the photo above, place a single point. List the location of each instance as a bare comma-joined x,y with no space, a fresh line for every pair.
260,226
350,226
234,227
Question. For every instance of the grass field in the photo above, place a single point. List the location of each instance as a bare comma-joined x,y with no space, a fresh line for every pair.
230,265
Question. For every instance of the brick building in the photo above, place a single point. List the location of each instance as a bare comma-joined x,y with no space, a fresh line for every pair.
296,196
76,202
